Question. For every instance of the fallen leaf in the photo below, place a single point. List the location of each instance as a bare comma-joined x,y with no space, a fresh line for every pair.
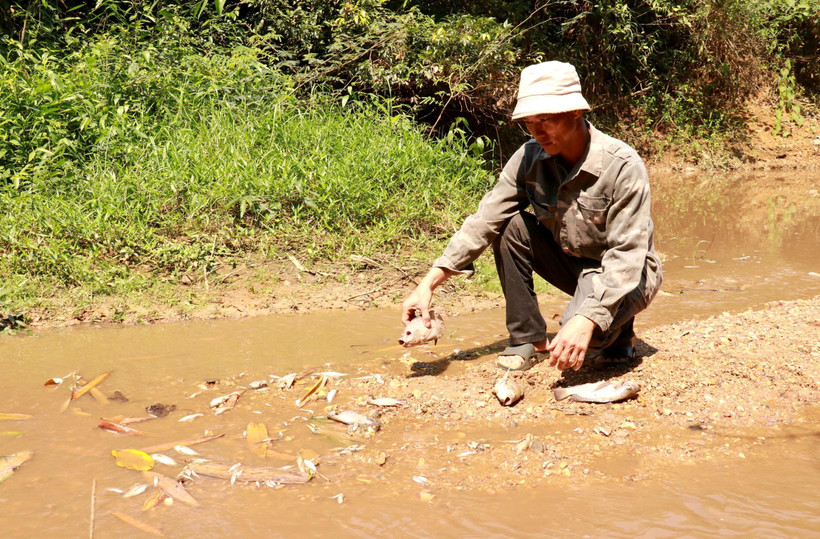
318,385
257,436
9,464
107,424
138,524
133,459
189,441
226,402
76,394
171,487
156,499
53,382
14,417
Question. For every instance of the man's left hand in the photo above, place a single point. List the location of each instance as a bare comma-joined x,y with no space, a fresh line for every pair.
569,347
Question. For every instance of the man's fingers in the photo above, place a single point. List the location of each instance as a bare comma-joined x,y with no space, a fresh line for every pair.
425,316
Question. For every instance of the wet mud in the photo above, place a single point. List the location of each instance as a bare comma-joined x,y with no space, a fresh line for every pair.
723,436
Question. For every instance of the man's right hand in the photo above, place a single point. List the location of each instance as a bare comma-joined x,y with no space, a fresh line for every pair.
422,296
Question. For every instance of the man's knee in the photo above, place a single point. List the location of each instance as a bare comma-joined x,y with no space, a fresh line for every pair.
516,231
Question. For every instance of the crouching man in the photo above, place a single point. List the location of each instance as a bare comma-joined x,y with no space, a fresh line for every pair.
572,205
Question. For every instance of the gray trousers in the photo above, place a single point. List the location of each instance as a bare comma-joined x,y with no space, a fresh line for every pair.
525,246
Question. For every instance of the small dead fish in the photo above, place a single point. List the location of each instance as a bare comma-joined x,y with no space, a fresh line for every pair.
385,401
135,490
352,418
160,410
599,392
164,459
189,417
508,392
416,333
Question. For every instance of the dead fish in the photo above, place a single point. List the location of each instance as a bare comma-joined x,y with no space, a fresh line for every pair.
508,392
160,410
599,392
352,418
385,401
416,333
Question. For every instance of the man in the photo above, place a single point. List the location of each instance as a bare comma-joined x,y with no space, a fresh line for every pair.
588,230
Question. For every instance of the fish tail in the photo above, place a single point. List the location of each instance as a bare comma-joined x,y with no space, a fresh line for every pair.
560,393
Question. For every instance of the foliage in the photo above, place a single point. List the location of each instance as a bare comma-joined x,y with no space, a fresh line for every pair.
141,162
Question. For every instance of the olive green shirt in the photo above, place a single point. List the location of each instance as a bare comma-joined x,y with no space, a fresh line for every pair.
598,210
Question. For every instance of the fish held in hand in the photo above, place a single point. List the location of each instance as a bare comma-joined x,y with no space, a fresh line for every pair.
416,333
508,392
598,392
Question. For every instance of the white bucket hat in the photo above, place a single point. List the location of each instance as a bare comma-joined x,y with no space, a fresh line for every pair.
549,88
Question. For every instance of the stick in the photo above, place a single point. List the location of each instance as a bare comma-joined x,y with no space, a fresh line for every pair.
93,496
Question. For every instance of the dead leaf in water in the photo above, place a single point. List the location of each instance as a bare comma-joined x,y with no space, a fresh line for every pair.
257,436
14,417
226,402
138,524
107,424
53,382
154,500
189,441
9,464
77,393
133,459
316,387
171,487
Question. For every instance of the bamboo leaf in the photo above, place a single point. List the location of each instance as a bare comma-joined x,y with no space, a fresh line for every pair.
171,487
138,524
14,417
89,386
312,390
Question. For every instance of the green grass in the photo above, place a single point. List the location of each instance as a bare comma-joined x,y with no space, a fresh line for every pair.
179,186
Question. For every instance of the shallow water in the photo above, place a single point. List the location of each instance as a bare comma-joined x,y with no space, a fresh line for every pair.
723,252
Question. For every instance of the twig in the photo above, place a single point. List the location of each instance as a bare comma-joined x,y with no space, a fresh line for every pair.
93,496
365,293
298,265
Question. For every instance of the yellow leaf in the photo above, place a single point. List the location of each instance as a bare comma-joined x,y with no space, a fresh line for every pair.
89,386
258,438
320,384
14,417
133,459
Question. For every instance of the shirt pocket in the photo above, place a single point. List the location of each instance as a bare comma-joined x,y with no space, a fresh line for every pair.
590,214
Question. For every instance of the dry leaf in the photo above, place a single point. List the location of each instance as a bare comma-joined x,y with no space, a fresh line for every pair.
107,424
189,441
318,385
171,488
14,417
154,500
257,436
138,524
9,464
76,394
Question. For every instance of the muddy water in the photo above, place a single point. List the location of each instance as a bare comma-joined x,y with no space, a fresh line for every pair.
722,251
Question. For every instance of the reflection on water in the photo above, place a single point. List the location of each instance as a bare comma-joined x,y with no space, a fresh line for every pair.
729,243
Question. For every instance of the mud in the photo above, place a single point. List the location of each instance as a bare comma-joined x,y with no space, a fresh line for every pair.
722,437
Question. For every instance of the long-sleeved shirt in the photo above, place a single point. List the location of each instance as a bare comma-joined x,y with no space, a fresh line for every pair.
598,210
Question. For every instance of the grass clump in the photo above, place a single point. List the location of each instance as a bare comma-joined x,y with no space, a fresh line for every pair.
129,177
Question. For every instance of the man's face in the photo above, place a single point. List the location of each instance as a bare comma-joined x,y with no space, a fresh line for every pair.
554,131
